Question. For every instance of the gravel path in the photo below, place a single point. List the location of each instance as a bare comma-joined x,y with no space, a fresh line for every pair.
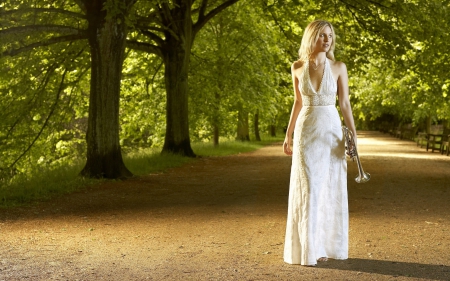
224,219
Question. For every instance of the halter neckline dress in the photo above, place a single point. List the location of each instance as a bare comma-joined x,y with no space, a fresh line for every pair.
317,220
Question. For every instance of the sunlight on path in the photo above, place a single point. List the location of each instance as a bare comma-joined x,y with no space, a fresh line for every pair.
384,145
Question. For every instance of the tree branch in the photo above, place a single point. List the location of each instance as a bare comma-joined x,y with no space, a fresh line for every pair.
203,19
145,47
47,42
48,10
277,22
48,27
377,4
201,12
162,29
154,37
165,10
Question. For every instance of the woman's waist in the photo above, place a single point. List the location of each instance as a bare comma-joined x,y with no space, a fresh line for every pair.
319,100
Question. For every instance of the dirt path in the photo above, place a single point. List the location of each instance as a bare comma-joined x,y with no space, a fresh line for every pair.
224,219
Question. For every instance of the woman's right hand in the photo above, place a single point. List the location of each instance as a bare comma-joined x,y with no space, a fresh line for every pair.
287,146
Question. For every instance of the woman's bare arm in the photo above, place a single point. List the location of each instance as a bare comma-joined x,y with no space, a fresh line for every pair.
297,106
344,101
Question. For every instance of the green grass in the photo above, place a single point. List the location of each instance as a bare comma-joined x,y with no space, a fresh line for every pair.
147,161
230,147
43,184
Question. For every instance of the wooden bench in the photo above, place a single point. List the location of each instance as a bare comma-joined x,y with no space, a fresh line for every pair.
436,137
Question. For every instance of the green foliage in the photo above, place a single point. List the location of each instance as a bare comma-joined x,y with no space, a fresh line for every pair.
42,87
41,110
412,84
396,53
142,102
237,64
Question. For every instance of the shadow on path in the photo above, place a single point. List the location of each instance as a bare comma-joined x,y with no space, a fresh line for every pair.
395,269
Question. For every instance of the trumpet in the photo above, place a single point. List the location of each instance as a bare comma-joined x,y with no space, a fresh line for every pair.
352,152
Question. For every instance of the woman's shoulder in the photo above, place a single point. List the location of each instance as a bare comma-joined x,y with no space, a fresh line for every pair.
338,65
296,65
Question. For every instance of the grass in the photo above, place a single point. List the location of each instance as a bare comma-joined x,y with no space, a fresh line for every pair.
147,161
230,147
43,184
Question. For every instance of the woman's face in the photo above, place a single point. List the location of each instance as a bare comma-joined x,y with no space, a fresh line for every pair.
324,41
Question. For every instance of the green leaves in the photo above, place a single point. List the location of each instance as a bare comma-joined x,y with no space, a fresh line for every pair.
395,51
235,66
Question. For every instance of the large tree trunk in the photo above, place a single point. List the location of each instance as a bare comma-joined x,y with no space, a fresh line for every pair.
176,61
107,45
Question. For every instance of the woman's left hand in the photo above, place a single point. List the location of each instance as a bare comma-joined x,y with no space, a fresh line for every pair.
287,147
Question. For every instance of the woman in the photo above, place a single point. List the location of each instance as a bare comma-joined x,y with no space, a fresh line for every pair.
317,222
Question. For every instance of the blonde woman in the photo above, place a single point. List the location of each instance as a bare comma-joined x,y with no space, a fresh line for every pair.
317,221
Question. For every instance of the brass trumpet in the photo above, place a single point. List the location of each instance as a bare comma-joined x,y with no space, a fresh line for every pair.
352,152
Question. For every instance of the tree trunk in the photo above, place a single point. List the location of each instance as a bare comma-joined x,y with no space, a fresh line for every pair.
107,46
176,61
216,116
256,124
272,130
428,124
242,126
216,135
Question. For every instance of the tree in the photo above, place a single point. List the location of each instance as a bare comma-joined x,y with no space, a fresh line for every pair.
237,69
168,31
411,85
103,24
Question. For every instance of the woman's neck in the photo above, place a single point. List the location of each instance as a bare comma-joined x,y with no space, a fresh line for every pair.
318,58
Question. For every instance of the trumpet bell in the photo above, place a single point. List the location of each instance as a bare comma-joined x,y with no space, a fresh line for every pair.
353,153
363,178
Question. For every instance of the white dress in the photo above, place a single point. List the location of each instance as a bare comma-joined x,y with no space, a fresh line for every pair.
317,221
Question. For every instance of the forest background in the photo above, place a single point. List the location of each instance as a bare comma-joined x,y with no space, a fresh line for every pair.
84,83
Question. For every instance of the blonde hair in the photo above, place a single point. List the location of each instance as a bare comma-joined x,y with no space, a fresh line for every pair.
310,37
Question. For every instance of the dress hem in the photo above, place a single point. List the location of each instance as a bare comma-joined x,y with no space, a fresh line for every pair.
312,264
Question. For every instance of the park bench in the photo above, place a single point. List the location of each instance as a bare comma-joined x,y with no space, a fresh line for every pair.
436,137
445,145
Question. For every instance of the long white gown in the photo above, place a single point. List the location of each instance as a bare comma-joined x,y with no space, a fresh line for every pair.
317,221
